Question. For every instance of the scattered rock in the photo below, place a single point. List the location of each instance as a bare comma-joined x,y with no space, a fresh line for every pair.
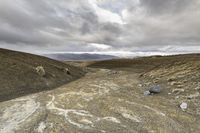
155,89
185,81
156,80
183,106
146,93
192,96
180,86
197,88
140,85
147,84
177,91
66,70
113,72
175,83
171,79
40,70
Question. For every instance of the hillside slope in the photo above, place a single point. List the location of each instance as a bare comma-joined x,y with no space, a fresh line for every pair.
146,64
19,76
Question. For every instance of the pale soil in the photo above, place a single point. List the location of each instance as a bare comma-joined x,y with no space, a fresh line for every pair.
103,101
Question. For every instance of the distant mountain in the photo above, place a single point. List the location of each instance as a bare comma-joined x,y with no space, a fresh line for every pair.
84,56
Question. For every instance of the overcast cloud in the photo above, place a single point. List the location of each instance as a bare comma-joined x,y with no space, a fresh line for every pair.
41,26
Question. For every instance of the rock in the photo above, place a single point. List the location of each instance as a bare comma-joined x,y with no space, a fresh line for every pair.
40,70
185,81
183,106
66,70
180,86
139,85
147,84
192,96
155,89
146,93
177,91
113,72
175,83
171,79
156,80
197,88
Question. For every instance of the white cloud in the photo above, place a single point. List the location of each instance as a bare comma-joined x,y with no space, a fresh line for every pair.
105,15
100,25
100,46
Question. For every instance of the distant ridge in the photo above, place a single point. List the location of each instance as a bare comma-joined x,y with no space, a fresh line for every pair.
80,57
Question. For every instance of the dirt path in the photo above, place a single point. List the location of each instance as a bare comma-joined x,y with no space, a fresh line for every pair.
103,101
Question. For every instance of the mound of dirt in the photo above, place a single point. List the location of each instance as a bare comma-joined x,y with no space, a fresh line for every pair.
23,73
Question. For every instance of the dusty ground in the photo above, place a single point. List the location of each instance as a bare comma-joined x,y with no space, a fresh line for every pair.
110,100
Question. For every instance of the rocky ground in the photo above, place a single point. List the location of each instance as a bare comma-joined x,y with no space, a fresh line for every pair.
110,98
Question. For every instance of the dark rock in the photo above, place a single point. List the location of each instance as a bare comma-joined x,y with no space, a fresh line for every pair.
155,89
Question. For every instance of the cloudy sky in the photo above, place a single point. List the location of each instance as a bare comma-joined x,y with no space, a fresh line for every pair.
45,26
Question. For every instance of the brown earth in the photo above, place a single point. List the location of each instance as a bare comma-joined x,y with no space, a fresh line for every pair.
110,99
18,76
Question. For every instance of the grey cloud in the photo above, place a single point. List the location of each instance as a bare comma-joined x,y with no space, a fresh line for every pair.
69,25
166,6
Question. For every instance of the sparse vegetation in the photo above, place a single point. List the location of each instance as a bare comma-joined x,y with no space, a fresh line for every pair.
158,94
23,73
40,70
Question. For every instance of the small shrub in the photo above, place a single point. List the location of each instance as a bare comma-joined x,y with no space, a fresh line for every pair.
66,70
40,71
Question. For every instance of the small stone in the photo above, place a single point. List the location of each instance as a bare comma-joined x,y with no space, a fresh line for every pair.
175,83
146,93
197,88
192,96
180,86
171,79
113,72
169,93
185,81
140,85
155,89
183,106
177,91
156,80
177,97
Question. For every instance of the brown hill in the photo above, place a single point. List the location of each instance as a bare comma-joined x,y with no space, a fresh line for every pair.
19,76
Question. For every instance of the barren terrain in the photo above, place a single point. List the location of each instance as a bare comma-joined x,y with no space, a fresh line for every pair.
110,98
19,76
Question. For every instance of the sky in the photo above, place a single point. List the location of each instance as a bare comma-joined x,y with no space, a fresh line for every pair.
50,26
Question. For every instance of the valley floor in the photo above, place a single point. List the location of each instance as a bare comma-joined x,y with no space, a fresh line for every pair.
102,101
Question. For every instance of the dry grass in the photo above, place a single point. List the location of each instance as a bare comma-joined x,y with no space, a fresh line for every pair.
19,76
